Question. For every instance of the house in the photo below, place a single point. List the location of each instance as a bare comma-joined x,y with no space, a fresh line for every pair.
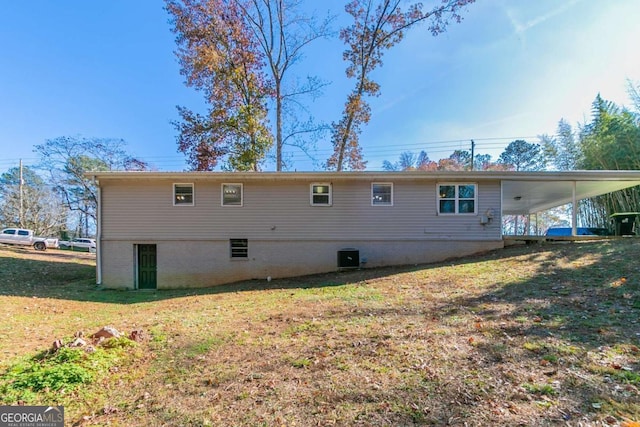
197,229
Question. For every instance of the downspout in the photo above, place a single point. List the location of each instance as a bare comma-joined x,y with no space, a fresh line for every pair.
501,205
574,211
99,236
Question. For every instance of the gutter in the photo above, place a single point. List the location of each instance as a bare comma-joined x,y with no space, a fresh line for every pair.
600,175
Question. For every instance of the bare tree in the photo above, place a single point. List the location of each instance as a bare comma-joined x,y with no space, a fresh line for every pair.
283,33
377,27
67,159
410,161
38,206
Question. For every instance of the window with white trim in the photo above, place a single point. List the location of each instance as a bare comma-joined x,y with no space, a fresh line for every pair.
381,194
239,248
183,194
321,194
232,194
457,198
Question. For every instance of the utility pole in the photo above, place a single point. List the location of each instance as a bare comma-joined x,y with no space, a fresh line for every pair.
473,148
21,204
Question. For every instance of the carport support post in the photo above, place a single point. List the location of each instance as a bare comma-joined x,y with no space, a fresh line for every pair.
574,211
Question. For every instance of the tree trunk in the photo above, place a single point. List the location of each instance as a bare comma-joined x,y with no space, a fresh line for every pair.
278,126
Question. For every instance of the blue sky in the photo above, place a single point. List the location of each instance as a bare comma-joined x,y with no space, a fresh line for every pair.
511,70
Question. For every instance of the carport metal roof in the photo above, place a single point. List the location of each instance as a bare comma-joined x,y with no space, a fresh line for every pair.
536,192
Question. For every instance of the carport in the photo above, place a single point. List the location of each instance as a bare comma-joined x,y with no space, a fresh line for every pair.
528,193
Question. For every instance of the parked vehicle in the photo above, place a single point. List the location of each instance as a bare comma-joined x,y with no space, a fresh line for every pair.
22,236
581,231
79,244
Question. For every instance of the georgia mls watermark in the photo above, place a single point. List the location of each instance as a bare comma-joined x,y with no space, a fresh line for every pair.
31,416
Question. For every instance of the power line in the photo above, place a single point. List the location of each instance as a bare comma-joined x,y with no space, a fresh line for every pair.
431,147
434,148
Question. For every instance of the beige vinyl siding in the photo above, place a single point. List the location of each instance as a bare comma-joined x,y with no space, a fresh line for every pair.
287,236
142,210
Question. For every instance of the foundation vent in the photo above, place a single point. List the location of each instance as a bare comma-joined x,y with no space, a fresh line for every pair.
348,258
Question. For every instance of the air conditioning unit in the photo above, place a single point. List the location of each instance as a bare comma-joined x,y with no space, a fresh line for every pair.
348,258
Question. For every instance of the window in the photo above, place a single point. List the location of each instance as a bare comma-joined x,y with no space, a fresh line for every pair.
183,194
239,248
231,194
457,198
321,194
23,233
381,194
9,231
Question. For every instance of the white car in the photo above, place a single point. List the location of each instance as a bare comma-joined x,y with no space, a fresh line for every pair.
23,236
79,244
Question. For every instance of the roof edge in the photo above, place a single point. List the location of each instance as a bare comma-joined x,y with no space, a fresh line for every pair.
591,175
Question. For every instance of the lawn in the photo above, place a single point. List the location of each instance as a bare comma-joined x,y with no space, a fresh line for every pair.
530,335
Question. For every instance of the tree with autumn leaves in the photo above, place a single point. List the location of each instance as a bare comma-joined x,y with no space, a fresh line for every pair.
239,53
219,58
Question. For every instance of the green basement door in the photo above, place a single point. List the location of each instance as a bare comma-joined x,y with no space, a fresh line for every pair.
147,267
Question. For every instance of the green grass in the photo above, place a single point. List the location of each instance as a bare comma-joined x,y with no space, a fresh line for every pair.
530,335
542,389
53,374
